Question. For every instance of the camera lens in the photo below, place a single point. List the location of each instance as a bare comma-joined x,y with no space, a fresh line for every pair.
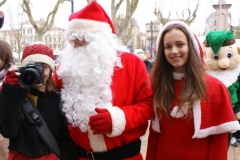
29,77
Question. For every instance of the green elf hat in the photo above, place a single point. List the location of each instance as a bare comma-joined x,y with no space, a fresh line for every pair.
215,39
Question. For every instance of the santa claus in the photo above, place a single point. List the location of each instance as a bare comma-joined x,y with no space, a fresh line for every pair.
106,92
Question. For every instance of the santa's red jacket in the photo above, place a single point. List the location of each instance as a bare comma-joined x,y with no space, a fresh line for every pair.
132,101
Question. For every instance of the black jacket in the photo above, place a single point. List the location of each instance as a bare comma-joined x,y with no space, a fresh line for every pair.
149,64
22,134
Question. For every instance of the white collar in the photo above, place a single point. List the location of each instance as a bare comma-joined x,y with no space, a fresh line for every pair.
178,76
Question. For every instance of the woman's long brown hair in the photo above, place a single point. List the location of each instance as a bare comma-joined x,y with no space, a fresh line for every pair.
6,55
50,85
163,82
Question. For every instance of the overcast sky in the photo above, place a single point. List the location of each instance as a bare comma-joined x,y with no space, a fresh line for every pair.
143,14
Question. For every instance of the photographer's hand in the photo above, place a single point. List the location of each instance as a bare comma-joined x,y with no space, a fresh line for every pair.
12,77
1,14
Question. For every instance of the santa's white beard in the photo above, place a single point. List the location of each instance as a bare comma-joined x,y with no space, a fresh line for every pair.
86,74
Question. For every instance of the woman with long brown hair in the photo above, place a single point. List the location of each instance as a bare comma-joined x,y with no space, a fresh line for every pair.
193,112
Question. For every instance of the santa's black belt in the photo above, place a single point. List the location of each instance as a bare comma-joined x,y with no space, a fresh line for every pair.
119,153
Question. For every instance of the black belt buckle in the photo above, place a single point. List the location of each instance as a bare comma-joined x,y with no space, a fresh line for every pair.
90,155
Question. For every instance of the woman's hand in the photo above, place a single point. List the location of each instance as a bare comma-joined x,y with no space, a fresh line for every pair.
12,77
1,14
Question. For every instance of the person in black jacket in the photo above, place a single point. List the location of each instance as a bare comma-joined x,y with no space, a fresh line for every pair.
6,58
25,142
149,64
6,62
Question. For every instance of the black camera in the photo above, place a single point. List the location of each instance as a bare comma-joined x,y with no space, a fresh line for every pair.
31,74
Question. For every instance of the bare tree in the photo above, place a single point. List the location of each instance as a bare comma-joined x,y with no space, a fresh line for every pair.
88,1
191,16
160,16
3,2
131,6
16,30
189,19
121,24
44,27
237,29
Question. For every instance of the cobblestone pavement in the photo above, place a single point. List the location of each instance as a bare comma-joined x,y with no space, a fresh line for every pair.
3,148
234,153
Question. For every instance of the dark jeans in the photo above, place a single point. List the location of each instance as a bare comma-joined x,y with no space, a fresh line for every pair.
237,134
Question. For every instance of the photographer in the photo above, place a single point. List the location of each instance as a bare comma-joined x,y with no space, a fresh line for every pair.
6,62
33,81
6,58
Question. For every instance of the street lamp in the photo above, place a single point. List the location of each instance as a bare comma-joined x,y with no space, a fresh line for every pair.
151,27
72,5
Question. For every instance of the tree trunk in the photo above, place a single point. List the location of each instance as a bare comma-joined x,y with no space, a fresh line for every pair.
43,27
121,23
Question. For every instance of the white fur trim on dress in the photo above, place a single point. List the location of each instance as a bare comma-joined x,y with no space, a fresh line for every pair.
223,128
156,123
178,76
179,113
88,25
201,133
187,28
118,121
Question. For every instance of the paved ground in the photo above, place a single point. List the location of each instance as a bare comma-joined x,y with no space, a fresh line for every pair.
234,153
3,148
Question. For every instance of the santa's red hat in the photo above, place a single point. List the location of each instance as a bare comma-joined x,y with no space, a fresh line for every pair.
91,18
38,52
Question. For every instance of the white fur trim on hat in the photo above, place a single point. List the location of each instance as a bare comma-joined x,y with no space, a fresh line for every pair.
77,25
118,121
39,58
188,29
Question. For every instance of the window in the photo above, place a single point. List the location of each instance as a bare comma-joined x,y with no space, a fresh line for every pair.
29,31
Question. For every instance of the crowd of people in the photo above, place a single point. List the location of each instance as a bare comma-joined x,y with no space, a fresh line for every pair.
99,100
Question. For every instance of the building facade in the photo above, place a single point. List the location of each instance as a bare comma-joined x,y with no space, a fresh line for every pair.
220,19
26,35
131,37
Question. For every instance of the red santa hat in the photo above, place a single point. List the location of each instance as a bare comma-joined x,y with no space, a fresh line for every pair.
91,18
193,37
38,52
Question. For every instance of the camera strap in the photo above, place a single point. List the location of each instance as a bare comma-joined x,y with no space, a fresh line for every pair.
35,118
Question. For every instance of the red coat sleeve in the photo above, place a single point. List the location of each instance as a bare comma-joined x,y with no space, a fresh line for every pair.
57,81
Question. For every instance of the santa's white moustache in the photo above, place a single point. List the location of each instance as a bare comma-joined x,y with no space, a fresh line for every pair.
86,72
